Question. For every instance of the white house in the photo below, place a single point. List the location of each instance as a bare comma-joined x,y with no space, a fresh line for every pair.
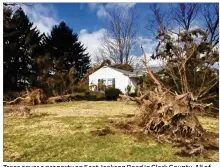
114,77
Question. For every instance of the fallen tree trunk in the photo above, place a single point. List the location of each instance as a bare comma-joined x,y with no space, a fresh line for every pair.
62,98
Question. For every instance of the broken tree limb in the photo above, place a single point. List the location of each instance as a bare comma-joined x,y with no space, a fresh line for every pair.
34,97
150,72
15,101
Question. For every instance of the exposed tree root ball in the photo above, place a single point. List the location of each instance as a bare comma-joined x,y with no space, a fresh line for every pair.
171,118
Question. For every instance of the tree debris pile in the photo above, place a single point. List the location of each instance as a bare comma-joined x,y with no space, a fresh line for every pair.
36,96
171,117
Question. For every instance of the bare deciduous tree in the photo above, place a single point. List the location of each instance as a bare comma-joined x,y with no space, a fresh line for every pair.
211,16
156,21
121,34
184,14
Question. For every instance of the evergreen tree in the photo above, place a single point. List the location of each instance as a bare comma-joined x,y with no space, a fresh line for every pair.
21,48
9,30
66,51
63,54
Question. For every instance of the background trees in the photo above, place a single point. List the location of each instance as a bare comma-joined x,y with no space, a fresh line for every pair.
32,59
21,47
65,52
120,37
210,13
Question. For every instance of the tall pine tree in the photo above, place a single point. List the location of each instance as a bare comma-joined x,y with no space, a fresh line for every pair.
66,51
9,31
21,48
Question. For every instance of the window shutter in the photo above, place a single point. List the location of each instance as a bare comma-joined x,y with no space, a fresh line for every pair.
113,82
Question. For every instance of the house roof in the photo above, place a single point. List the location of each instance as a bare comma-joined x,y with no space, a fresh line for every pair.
122,71
138,73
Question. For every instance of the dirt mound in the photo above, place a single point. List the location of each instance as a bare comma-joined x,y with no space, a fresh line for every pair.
102,131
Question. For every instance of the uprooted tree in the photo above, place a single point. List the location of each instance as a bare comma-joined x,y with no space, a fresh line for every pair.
171,117
168,111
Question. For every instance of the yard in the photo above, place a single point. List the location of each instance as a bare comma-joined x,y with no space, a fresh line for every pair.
63,134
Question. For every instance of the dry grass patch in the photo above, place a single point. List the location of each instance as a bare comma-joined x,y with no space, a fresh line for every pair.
209,123
65,135
89,109
13,151
22,111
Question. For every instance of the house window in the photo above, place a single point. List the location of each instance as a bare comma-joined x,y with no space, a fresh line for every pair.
110,82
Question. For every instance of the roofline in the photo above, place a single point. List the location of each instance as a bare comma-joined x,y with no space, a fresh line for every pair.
121,71
135,75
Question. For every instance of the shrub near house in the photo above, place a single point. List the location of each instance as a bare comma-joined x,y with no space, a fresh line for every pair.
112,93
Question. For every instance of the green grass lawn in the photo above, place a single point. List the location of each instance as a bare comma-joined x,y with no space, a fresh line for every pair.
64,135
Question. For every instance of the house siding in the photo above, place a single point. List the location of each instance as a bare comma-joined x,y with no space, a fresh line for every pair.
133,83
